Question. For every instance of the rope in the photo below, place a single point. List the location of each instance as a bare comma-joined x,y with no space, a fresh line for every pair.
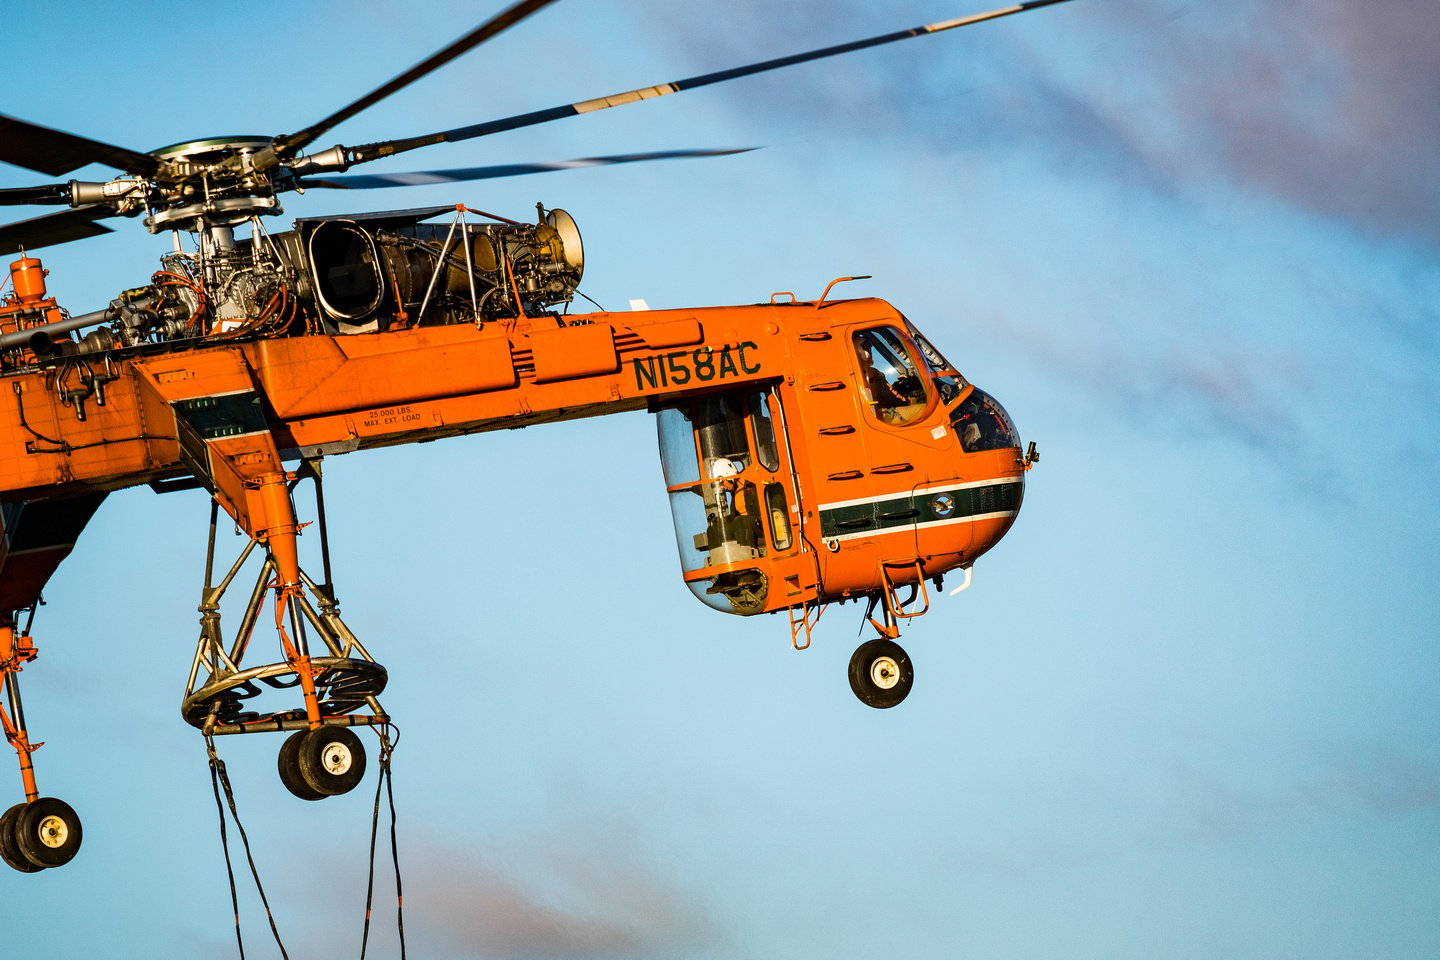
220,779
225,844
384,782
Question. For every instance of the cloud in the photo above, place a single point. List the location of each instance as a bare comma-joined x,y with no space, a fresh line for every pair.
580,893
592,908
1326,105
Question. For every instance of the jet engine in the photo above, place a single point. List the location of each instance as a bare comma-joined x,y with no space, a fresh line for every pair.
368,273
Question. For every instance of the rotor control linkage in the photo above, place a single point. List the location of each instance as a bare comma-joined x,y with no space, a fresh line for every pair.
41,832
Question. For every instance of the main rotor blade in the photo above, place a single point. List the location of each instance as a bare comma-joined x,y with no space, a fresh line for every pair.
26,196
53,228
288,146
387,148
55,152
379,180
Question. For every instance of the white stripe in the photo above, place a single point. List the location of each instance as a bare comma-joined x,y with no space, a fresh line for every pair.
922,490
913,528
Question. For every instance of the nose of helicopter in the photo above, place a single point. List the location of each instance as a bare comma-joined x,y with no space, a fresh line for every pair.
992,473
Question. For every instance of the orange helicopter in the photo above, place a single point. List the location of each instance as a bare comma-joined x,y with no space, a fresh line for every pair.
813,451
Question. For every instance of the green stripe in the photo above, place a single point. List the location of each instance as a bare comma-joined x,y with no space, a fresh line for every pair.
932,506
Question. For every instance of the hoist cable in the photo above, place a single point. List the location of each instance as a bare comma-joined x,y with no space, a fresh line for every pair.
229,870
220,779
384,782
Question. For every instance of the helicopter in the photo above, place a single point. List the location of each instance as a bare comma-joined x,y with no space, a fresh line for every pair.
813,451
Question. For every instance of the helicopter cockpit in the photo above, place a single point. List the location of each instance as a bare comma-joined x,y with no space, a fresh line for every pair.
978,420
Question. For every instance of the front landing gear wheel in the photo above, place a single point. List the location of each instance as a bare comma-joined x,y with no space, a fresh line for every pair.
47,832
10,846
881,673
332,760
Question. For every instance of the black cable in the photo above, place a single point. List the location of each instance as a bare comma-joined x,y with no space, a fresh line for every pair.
384,782
395,859
225,844
217,767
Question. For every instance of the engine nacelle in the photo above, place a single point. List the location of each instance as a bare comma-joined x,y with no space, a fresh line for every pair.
365,273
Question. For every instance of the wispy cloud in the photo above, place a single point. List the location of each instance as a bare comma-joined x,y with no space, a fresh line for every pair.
1327,105
567,895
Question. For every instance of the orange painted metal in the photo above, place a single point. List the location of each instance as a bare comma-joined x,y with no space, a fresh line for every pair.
323,395
233,413
16,651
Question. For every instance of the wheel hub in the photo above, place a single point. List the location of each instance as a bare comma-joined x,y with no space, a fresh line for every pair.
53,832
336,759
885,673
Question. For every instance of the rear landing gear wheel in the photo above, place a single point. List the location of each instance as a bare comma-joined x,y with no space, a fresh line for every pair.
332,760
9,844
47,832
881,673
289,766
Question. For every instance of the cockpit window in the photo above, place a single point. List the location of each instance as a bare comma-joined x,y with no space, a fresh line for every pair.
982,424
947,380
891,381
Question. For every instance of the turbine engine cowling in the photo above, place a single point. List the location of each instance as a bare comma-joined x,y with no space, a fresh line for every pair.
366,272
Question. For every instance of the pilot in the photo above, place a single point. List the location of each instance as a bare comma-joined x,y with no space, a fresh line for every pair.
896,401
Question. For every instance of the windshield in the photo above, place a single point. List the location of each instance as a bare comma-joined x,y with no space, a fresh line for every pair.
982,424
947,381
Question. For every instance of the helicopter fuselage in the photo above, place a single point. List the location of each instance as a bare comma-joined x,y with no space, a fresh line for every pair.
813,451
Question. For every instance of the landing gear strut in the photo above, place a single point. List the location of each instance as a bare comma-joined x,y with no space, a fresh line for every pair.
880,670
322,757
41,832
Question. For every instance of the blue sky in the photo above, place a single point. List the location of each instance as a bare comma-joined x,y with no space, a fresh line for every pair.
1188,708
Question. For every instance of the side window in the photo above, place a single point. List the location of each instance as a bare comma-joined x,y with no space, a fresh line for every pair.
764,427
891,382
779,510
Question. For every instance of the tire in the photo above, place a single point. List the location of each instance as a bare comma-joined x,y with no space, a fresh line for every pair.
48,832
9,842
881,673
289,768
332,760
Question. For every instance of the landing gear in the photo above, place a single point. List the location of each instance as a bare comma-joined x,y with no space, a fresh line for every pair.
288,764
327,762
338,683
9,844
43,833
881,673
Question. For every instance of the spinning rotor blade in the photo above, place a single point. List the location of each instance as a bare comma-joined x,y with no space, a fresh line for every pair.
25,196
55,152
287,146
54,228
374,151
379,180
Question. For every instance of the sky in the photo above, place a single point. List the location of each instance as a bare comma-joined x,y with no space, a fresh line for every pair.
1187,708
